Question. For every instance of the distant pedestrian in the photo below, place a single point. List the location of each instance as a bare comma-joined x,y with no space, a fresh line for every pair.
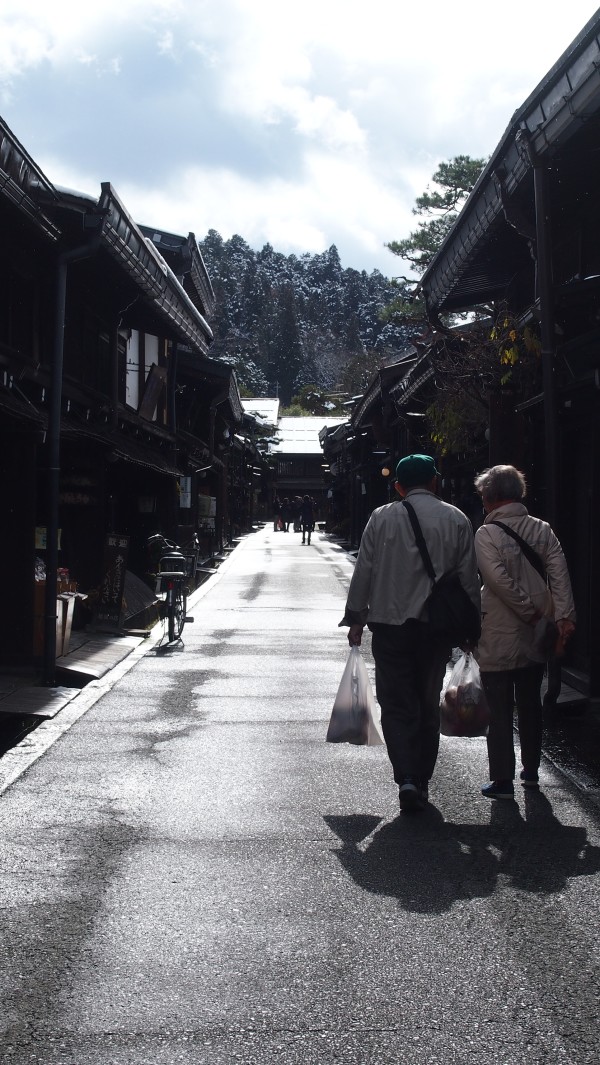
296,506
277,514
388,592
286,514
520,596
307,518
315,508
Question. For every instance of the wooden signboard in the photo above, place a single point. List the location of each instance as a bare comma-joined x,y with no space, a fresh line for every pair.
110,603
154,385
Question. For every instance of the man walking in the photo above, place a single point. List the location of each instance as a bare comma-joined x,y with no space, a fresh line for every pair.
388,592
307,518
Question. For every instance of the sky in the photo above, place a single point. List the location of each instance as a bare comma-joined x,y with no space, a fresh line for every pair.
298,124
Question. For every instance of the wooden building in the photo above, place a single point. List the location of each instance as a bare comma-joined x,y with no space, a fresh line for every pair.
113,421
529,238
300,468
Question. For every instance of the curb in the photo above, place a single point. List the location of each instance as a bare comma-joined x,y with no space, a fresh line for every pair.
16,761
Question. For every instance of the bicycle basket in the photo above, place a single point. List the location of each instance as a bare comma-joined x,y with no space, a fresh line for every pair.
174,562
165,581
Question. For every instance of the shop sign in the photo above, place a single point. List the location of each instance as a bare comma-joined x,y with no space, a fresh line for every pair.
185,492
110,603
155,383
207,506
41,537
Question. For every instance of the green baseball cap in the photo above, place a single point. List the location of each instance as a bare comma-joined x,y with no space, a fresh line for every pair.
415,470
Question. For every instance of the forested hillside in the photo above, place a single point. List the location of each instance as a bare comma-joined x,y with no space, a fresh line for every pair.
285,322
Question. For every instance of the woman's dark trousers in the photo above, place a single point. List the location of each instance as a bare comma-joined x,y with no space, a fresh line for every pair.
505,690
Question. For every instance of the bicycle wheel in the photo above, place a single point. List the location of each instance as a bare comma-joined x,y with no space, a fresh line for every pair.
182,601
177,614
171,600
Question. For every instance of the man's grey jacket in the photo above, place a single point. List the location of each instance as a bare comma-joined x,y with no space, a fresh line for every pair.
390,584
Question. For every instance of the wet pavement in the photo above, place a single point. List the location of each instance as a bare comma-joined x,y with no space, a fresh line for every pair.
190,875
571,730
572,742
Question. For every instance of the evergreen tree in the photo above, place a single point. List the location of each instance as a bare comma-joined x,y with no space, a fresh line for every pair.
454,180
285,351
290,321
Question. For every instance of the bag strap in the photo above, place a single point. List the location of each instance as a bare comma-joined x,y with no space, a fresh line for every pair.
532,556
414,521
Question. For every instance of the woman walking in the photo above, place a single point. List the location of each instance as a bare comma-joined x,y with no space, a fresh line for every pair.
526,586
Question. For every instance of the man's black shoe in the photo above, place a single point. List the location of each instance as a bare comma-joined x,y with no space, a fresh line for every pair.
411,797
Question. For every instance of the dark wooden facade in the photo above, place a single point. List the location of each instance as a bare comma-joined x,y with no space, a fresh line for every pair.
529,236
528,239
108,414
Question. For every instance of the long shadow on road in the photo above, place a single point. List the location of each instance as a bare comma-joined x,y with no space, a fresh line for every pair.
507,883
429,863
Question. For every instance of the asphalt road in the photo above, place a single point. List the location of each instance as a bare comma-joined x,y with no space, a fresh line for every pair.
191,875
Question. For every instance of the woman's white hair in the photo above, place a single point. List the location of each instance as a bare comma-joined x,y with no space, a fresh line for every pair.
501,483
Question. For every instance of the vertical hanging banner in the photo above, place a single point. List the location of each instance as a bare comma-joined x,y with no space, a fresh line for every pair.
110,603
185,492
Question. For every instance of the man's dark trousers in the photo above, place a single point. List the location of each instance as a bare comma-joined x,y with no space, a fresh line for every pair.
410,663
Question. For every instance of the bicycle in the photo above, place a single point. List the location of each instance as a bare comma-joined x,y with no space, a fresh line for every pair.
174,569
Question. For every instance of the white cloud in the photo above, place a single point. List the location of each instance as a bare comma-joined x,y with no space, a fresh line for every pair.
21,47
320,117
86,59
165,43
33,30
294,216
303,125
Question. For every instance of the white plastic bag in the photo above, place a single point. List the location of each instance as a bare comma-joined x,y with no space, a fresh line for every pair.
464,709
354,718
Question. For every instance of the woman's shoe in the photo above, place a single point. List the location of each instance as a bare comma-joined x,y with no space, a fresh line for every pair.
529,780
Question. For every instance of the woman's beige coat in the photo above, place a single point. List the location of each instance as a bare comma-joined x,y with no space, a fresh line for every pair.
513,592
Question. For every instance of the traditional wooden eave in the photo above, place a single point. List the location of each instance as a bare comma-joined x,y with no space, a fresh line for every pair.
146,452
411,384
185,259
141,260
170,311
379,386
218,378
485,247
20,181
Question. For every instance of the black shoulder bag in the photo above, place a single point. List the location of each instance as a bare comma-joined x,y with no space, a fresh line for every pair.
532,556
450,610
